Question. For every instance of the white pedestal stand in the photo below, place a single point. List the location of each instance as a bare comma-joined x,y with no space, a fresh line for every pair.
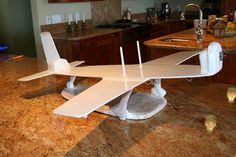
135,106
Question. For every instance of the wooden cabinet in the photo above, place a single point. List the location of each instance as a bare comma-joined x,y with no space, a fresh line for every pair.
175,26
227,6
168,27
131,52
228,73
97,50
69,1
104,49
158,30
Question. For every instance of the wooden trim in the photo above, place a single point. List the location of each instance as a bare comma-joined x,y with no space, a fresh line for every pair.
70,1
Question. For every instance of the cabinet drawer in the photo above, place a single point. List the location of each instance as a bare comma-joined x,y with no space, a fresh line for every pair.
158,27
96,42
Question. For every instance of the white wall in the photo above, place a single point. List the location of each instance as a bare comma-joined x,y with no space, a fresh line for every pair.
139,6
47,9
41,8
16,27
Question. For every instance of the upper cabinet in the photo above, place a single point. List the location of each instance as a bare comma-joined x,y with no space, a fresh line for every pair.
227,6
69,1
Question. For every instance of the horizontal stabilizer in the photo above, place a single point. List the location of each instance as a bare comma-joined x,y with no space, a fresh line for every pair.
76,63
37,75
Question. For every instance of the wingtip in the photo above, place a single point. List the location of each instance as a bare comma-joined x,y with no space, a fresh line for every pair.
60,112
22,79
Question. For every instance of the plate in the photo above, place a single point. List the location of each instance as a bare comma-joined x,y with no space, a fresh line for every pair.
229,34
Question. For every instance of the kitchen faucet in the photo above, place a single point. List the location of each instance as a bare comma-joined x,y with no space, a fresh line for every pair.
199,31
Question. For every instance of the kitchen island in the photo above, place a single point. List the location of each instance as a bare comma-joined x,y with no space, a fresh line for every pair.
186,40
29,128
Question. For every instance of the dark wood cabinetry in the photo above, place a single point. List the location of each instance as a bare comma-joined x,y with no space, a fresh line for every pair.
97,50
104,49
69,1
227,6
175,26
131,52
129,43
157,30
228,73
168,27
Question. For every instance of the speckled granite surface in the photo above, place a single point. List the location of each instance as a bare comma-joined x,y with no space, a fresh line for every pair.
106,11
228,43
83,35
28,127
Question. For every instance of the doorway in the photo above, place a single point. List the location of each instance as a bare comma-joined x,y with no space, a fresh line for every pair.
16,29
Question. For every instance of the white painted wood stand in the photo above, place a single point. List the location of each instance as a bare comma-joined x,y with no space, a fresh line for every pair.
130,106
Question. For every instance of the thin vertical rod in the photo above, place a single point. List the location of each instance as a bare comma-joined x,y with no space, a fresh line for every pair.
122,61
139,55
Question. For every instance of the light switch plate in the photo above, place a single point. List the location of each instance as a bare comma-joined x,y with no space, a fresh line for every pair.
48,20
56,19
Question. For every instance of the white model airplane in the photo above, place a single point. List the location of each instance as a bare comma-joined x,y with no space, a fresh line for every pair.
120,80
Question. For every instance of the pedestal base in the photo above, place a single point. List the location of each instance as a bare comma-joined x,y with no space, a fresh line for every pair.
140,105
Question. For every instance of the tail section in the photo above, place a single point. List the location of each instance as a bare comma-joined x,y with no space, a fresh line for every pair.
49,48
211,59
55,63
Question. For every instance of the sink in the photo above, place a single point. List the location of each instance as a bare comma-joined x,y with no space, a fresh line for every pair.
174,40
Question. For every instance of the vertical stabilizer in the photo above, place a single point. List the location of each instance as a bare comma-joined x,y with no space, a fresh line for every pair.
55,63
211,59
49,48
215,58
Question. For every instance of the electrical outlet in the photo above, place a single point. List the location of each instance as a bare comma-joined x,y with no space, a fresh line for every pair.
56,19
48,20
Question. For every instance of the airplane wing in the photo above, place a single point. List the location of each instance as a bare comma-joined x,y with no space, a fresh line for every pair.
134,72
173,71
37,75
47,72
174,59
95,97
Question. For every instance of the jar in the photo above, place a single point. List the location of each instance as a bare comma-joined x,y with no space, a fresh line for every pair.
219,28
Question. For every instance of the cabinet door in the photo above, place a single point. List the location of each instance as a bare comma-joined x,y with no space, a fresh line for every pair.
97,50
64,49
228,73
158,30
227,5
175,26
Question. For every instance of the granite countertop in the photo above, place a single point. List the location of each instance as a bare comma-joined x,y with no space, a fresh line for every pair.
29,128
228,43
83,35
92,32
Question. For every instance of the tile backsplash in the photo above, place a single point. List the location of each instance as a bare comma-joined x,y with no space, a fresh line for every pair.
106,11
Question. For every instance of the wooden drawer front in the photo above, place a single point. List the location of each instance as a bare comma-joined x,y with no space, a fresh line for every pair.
158,27
96,42
97,57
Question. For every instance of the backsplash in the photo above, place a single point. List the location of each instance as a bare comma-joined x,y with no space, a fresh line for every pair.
105,11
